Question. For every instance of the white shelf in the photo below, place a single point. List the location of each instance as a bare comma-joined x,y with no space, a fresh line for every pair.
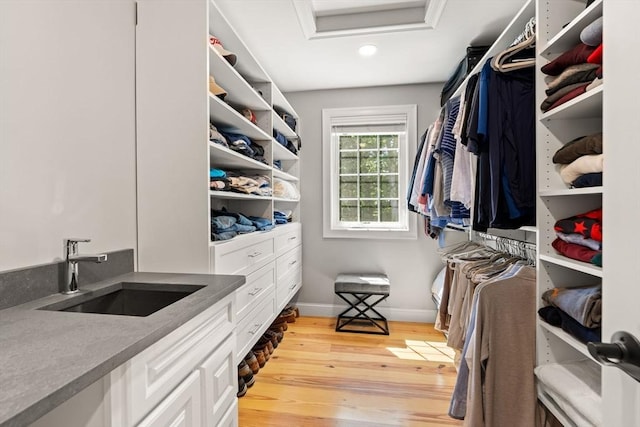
229,195
570,35
280,101
281,153
571,191
223,116
586,106
282,127
239,91
226,159
569,263
529,229
565,337
246,65
238,237
283,175
555,410
281,199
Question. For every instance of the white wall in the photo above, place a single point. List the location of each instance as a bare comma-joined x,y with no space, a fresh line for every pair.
67,128
410,264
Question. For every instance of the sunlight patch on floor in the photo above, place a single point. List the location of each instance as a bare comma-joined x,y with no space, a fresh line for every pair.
424,350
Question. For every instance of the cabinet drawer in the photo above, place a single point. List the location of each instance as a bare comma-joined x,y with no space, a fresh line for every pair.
230,419
181,408
153,373
289,261
251,293
219,375
256,322
287,286
243,256
288,239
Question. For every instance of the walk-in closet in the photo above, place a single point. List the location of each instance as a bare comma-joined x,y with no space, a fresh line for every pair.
239,213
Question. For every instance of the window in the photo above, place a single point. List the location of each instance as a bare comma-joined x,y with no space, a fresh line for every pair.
365,172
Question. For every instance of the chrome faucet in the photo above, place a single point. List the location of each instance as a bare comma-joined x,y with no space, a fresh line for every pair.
72,258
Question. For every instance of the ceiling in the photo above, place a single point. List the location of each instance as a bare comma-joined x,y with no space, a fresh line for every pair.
418,41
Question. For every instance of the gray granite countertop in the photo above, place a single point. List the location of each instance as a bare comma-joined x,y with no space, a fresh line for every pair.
46,357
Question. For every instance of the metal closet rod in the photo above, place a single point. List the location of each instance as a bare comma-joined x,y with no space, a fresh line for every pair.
520,248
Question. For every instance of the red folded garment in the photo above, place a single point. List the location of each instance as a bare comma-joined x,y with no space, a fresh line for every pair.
576,55
569,96
573,251
596,56
588,224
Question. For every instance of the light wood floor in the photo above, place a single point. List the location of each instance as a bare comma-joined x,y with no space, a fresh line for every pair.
319,377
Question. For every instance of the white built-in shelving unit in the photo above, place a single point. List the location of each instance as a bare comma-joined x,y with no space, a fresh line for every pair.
559,24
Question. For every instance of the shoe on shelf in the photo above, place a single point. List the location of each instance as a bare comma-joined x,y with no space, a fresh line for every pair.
246,374
273,337
262,359
242,387
252,362
289,315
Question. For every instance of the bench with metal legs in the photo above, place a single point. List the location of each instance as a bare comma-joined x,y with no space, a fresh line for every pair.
356,289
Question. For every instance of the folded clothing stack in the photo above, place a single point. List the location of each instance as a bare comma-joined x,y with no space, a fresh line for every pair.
575,388
577,70
282,140
241,144
578,311
282,217
581,161
226,225
220,180
580,237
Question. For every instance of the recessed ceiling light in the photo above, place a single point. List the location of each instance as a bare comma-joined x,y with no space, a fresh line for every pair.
368,50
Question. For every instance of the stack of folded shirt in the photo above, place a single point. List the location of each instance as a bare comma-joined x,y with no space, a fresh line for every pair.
226,225
221,180
575,71
216,137
580,237
581,161
282,140
243,144
575,388
282,217
578,311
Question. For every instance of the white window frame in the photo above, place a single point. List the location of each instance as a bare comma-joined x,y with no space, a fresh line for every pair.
332,227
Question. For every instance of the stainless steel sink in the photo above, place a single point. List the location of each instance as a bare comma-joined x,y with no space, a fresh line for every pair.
126,299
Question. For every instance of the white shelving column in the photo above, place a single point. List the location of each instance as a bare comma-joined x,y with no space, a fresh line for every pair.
559,23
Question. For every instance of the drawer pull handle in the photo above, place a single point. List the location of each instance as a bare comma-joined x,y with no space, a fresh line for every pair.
255,328
255,291
255,254
292,262
292,238
292,286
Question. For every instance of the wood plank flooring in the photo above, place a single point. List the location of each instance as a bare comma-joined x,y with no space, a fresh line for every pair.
319,377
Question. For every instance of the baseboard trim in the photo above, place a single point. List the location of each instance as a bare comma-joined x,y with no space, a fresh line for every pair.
395,314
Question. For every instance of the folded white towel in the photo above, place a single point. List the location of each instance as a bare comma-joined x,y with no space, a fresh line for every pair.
586,164
576,382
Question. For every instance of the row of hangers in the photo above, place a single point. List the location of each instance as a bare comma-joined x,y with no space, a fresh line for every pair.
511,58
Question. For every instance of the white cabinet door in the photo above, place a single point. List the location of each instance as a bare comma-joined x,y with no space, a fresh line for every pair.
182,408
621,201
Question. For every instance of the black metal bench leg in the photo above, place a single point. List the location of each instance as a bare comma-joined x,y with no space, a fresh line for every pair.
379,322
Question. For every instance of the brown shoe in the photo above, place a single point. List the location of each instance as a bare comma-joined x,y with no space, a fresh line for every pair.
252,362
280,323
289,315
242,387
271,336
278,331
246,374
262,359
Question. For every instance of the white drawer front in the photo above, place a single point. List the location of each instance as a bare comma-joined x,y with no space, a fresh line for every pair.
219,375
160,368
257,285
289,261
182,408
287,286
233,258
288,239
256,322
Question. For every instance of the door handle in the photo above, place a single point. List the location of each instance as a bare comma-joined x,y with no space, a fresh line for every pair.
623,353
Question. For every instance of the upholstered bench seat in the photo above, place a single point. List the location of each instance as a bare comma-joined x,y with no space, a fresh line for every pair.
356,289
